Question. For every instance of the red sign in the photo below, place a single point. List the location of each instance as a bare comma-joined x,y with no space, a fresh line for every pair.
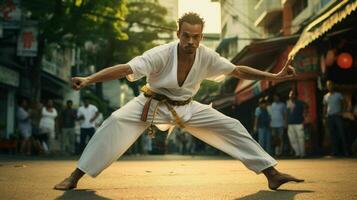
27,41
7,8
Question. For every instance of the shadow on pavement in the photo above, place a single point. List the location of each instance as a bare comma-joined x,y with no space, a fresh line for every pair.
80,194
273,195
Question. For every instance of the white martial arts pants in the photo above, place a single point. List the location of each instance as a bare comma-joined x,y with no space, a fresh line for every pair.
123,127
297,138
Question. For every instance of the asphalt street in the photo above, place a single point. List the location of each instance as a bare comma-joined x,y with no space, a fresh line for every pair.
177,177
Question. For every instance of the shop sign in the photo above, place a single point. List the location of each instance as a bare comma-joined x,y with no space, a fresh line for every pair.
9,77
306,61
10,13
27,43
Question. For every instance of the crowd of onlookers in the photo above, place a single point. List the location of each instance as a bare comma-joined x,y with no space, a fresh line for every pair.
271,120
280,127
44,130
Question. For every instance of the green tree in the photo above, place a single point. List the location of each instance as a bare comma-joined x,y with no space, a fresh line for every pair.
72,22
146,23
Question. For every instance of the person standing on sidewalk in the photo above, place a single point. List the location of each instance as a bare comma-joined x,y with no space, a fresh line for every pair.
48,124
86,115
297,112
262,125
23,116
333,107
68,122
278,123
174,73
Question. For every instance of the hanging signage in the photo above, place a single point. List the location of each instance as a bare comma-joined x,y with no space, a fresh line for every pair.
306,61
10,13
27,43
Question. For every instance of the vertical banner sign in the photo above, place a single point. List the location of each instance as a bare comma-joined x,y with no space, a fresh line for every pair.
10,13
27,44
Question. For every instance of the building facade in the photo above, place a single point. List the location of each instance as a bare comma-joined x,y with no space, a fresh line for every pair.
308,31
21,71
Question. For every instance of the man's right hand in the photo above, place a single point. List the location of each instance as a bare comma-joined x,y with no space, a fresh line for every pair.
79,82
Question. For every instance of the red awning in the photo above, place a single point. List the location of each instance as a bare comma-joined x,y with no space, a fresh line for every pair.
323,23
305,63
267,55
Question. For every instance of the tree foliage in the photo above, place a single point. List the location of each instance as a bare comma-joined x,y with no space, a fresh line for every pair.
76,21
121,29
145,22
72,23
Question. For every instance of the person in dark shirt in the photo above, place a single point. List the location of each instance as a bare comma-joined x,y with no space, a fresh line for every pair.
296,110
262,125
68,120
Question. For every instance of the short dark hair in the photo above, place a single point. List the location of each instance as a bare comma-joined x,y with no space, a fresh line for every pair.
294,90
191,18
69,101
262,100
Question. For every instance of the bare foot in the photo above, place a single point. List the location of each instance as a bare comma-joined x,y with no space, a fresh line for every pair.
279,179
66,184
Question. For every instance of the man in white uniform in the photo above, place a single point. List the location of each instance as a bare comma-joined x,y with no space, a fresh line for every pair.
174,72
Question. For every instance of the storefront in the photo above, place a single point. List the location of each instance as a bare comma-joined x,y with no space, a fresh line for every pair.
9,82
334,30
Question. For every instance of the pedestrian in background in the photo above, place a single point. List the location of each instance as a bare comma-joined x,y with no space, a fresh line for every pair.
39,140
278,123
86,115
262,125
333,108
23,116
297,111
48,124
68,122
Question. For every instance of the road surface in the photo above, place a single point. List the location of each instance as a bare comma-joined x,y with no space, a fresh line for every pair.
177,177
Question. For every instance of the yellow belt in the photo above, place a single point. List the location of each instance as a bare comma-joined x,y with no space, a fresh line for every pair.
162,100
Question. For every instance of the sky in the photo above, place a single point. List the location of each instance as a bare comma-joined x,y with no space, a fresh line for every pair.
210,11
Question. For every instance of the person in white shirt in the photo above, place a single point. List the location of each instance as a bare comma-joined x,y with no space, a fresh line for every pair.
174,73
333,107
23,116
86,115
48,124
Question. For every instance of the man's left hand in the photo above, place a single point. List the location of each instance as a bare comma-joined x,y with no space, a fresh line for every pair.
288,72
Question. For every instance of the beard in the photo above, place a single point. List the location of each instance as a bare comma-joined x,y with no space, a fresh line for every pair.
189,49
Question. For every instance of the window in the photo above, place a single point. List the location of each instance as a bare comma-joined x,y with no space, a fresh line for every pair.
298,6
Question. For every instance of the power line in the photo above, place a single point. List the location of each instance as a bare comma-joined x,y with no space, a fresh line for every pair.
138,22
239,11
115,18
242,23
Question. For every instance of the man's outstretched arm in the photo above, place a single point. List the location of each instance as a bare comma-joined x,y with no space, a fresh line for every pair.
244,72
107,74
